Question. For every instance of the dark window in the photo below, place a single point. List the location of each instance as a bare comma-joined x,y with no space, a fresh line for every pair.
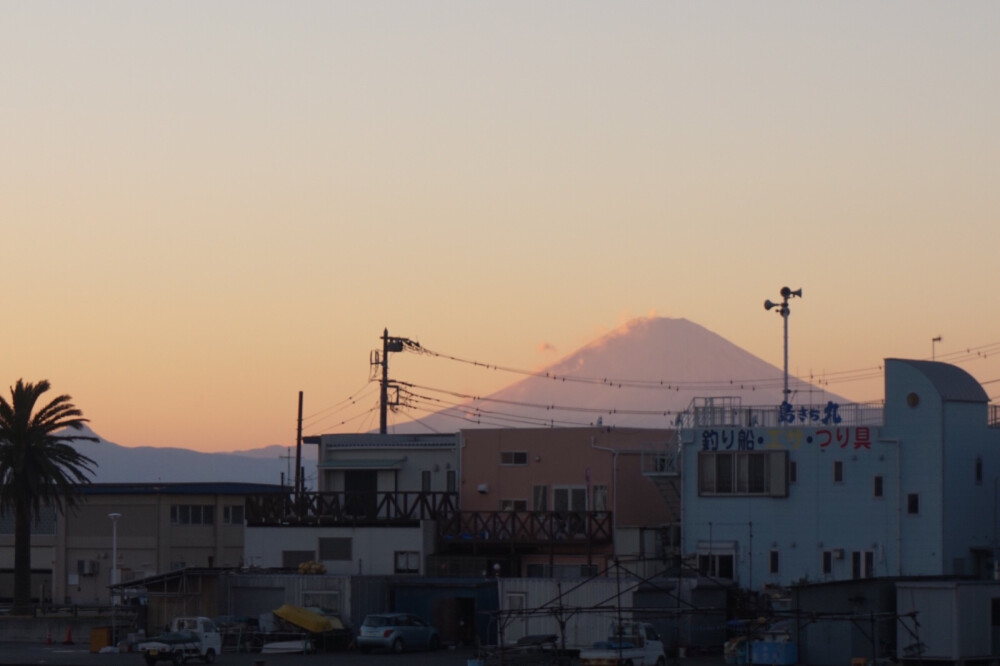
335,548
232,514
425,481
724,473
293,558
979,470
726,566
513,457
774,561
407,561
827,561
838,471
451,481
793,472
743,473
192,514
913,504
869,564
877,489
856,564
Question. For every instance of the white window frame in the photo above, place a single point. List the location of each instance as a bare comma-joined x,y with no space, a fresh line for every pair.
568,490
767,470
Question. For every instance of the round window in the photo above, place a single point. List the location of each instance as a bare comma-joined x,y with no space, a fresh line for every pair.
913,400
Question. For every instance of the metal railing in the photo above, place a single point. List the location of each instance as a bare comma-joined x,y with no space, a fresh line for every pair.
715,413
526,527
350,508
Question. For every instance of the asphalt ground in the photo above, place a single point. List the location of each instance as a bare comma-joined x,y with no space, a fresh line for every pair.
12,654
80,655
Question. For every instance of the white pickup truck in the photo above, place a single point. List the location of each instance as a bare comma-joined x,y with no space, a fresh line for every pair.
630,644
188,638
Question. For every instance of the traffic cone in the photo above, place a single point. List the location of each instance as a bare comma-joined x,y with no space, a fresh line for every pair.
69,636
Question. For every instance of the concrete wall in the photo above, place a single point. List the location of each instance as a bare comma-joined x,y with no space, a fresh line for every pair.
372,548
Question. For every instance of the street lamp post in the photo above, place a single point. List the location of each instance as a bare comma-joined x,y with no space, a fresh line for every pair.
114,516
783,310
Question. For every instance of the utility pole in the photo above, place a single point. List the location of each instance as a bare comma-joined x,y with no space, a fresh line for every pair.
388,345
298,452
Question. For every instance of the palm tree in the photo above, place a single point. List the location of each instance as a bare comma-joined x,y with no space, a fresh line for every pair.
37,468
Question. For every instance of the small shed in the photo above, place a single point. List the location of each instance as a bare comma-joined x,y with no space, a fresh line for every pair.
949,620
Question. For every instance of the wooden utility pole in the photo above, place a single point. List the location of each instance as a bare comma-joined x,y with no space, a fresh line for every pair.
388,345
298,453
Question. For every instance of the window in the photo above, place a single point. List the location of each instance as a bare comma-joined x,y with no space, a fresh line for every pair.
979,471
877,486
513,457
425,481
407,561
838,471
774,562
574,570
232,514
539,498
44,522
716,566
913,504
293,558
192,514
327,601
600,498
862,564
335,548
763,473
569,498
793,472
827,561
452,485
538,571
513,505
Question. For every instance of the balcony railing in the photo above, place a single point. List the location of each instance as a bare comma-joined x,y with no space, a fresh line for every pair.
350,509
715,413
524,527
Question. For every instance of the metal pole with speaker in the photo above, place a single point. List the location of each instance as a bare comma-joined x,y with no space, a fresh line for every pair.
783,310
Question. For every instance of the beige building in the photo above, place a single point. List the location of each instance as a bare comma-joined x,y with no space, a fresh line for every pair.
560,502
160,527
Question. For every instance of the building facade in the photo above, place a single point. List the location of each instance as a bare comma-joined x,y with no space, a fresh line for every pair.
159,527
558,502
376,510
838,492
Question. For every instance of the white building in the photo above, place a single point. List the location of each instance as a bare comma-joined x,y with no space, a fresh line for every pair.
836,492
379,497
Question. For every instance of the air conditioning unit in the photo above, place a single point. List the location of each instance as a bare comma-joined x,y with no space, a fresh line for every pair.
87,567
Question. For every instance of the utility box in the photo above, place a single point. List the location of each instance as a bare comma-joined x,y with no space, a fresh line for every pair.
100,637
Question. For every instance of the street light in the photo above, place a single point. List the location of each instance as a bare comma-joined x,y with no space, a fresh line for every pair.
114,516
783,310
936,339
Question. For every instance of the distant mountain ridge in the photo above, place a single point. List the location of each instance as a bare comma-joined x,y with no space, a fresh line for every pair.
148,464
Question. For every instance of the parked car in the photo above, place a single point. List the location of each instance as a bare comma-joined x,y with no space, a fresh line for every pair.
397,632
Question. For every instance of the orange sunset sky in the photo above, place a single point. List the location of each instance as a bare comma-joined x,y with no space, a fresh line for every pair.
207,207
